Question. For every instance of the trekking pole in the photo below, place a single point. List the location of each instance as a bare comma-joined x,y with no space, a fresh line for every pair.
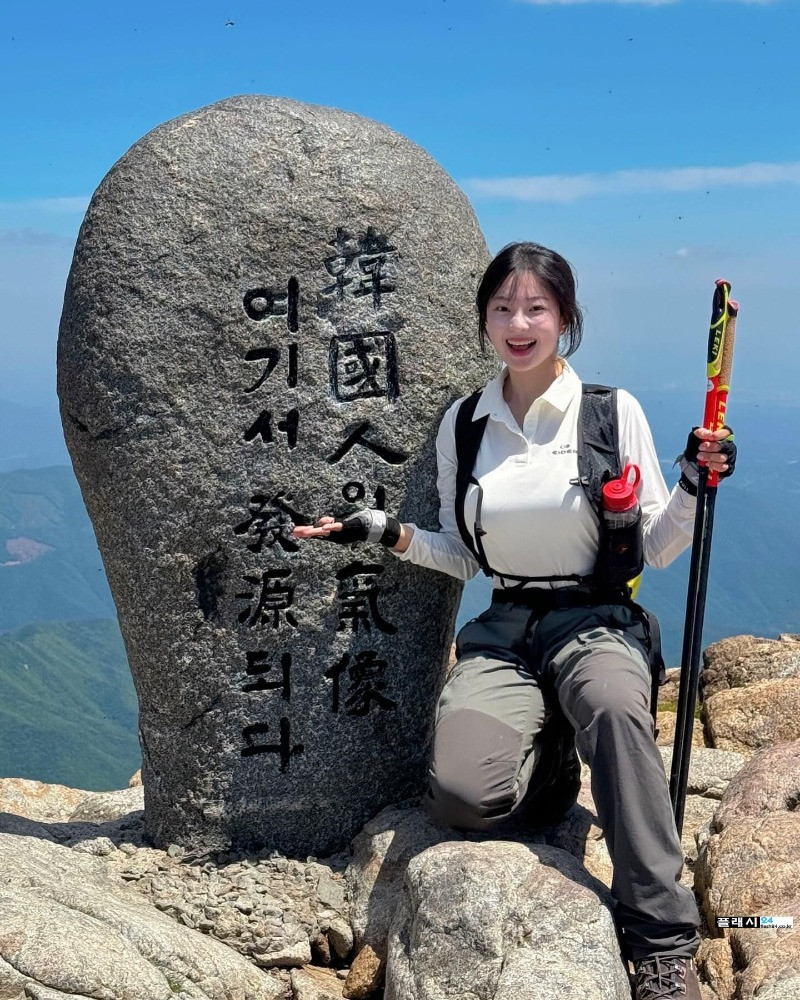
720,360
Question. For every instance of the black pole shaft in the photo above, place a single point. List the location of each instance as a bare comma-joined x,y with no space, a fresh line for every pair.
697,650
692,647
688,641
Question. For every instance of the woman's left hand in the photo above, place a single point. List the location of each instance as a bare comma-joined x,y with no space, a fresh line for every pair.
714,449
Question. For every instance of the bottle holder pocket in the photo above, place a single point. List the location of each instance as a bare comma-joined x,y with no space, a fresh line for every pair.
621,554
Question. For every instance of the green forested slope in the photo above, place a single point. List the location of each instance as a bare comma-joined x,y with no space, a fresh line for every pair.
42,509
67,705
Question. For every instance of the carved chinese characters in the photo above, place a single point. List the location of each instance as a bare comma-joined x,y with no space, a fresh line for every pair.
269,309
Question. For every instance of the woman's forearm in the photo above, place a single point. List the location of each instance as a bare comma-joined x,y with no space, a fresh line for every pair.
403,542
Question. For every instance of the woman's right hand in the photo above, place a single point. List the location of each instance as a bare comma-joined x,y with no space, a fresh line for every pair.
322,529
366,525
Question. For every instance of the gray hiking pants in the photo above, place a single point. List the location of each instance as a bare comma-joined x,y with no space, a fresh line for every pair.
513,670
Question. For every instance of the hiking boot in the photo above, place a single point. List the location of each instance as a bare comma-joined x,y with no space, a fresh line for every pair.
658,978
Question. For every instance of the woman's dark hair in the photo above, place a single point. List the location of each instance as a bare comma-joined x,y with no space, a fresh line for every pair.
549,267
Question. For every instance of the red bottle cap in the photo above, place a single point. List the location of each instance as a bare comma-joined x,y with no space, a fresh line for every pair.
620,494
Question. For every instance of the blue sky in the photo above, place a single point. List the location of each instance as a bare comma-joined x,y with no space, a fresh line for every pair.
655,144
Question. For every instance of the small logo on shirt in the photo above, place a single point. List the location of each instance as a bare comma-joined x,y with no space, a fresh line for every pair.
565,449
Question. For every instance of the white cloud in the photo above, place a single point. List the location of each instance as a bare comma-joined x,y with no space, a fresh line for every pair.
571,187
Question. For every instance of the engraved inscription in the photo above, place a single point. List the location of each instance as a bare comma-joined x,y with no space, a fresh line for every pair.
284,748
263,303
270,523
363,366
268,600
272,356
357,593
361,266
258,666
358,437
366,683
355,491
262,428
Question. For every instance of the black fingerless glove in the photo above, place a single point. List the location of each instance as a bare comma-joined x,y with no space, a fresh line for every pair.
690,468
367,526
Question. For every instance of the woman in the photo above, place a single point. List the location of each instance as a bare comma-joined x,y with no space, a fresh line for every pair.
553,641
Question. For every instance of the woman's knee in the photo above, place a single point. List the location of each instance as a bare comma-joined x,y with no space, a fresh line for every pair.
474,775
452,808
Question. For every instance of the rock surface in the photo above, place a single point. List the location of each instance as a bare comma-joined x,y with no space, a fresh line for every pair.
381,854
509,920
274,911
714,960
668,692
750,865
39,800
747,719
265,318
282,914
366,974
744,659
666,730
48,803
290,917
68,928
710,771
315,984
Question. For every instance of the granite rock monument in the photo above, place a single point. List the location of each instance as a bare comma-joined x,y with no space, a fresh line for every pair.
269,308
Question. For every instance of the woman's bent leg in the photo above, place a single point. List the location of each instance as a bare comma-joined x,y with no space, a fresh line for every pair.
485,750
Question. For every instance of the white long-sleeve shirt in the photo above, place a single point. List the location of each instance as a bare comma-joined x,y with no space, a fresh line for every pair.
537,523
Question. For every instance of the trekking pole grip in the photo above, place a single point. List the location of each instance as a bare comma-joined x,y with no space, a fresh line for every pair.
726,365
720,361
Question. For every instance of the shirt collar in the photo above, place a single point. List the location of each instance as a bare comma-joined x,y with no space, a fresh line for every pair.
559,395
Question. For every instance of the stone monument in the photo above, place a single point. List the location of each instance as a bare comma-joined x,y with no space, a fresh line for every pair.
269,308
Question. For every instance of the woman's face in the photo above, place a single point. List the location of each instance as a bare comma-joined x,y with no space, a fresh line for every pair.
523,322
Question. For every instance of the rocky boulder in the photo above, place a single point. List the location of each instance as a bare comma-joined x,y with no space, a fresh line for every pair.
749,865
57,804
747,719
69,929
745,659
502,920
381,854
666,723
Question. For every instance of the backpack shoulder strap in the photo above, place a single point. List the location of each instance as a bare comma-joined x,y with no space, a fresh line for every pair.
468,434
598,441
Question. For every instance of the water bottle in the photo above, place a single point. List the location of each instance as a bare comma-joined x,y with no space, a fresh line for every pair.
621,555
620,506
